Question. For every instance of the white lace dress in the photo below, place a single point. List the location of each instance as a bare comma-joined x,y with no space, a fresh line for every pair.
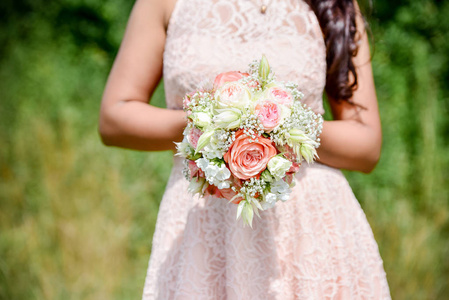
318,244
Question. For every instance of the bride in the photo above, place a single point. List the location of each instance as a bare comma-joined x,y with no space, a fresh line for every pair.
316,245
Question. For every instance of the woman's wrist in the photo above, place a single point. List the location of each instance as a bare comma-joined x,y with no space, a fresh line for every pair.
140,126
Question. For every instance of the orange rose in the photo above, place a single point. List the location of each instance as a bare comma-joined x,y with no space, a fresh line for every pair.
247,158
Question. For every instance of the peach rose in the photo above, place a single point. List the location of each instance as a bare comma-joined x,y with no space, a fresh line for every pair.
247,158
228,77
269,113
280,95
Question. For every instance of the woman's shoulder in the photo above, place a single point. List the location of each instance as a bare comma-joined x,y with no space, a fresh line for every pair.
158,11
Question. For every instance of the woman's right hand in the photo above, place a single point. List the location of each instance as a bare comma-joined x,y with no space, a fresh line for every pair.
126,118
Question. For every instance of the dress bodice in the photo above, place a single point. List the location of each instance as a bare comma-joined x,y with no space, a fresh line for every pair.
207,37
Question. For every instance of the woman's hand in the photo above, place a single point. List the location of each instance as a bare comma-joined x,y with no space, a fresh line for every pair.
353,140
126,118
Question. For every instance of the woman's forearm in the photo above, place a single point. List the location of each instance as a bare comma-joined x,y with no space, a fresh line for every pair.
126,118
351,145
140,126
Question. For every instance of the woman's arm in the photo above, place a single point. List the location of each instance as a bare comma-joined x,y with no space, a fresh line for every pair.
126,118
353,140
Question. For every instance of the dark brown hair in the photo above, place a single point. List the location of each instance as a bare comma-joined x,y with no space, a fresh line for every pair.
337,21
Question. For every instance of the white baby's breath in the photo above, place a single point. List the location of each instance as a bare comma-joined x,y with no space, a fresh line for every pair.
201,119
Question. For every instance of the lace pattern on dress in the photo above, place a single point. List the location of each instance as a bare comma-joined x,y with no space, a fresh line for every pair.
207,37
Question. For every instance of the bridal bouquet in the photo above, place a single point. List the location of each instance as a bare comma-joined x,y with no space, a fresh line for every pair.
246,138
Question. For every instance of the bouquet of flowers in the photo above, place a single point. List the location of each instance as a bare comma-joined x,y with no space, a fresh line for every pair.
246,138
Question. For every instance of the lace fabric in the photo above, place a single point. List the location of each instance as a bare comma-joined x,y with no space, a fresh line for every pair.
207,37
318,244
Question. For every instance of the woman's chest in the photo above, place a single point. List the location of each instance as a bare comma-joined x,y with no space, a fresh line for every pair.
207,37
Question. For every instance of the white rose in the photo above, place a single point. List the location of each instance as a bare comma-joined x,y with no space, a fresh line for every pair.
233,94
201,119
278,165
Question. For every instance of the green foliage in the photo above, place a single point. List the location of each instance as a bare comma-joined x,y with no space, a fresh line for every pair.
76,218
406,197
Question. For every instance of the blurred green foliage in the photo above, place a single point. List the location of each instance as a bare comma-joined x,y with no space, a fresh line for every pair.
76,218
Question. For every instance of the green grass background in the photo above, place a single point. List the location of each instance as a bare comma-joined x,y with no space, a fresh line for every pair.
77,218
